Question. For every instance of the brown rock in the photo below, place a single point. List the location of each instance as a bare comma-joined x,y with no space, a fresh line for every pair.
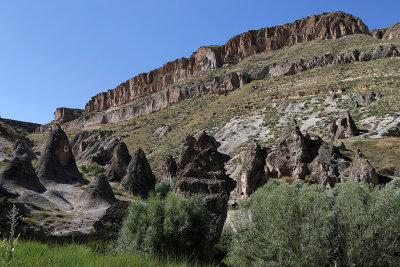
116,170
252,175
362,170
139,179
67,114
344,127
170,168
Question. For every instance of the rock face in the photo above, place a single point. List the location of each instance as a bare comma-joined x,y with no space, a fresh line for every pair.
362,170
67,114
19,174
98,193
139,179
20,148
325,26
292,155
57,163
394,131
120,160
387,33
252,175
344,127
170,168
201,171
110,223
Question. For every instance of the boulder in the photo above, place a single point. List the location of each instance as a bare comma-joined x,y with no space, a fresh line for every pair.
110,223
98,194
19,174
162,131
116,169
362,169
344,127
170,168
393,131
57,163
139,179
20,148
252,175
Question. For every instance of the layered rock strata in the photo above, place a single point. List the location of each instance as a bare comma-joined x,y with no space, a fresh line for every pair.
324,26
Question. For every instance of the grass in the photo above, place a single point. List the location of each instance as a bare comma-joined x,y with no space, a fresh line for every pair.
36,254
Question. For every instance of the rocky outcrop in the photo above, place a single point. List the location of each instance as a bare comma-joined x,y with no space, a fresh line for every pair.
293,153
393,131
20,148
19,174
361,100
110,223
328,166
344,127
139,179
162,131
388,33
170,168
120,160
67,114
98,194
252,175
381,51
201,171
57,163
362,170
324,26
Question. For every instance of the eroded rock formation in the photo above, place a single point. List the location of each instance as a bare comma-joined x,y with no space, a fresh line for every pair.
170,168
344,127
67,114
252,175
57,163
20,148
362,170
119,162
324,26
201,171
139,179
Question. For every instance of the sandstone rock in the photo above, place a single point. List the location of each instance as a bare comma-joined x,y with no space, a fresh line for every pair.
252,175
162,131
19,174
98,194
139,179
67,114
116,170
292,154
170,168
57,163
344,127
20,148
325,26
362,170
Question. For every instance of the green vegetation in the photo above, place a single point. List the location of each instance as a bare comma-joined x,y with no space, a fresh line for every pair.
92,170
296,225
36,254
167,224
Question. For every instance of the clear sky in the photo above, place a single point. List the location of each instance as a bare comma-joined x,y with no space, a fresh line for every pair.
61,53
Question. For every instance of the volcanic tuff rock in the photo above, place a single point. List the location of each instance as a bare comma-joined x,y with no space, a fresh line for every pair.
20,148
252,175
19,174
57,163
344,127
394,131
170,168
119,162
324,26
162,131
110,223
67,114
362,170
139,179
201,170
98,193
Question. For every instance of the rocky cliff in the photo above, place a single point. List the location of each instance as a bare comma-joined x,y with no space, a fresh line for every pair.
324,26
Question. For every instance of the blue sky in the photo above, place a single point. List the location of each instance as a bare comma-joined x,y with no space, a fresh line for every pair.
61,53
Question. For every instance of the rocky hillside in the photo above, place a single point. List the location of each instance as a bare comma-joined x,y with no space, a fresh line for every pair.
316,99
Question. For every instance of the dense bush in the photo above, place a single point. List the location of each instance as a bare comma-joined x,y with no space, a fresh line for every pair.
167,225
294,225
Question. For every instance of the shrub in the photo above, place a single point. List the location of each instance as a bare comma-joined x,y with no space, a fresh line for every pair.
173,225
294,225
